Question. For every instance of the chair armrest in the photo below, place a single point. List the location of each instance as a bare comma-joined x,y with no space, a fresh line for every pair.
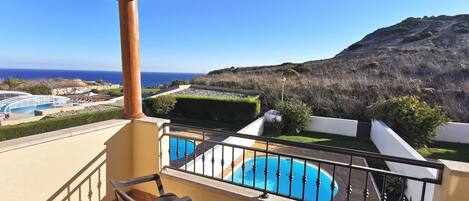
139,180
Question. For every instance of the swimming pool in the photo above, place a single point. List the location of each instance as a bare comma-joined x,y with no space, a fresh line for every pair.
179,144
31,109
284,183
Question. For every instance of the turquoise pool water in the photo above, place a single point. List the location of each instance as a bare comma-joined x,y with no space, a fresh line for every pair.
30,110
284,183
179,144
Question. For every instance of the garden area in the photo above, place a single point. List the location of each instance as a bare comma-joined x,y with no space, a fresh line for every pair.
446,150
308,137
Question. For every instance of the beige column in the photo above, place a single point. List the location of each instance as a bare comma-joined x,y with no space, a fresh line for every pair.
128,13
455,183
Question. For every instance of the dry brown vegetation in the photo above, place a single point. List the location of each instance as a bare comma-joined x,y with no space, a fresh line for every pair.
384,64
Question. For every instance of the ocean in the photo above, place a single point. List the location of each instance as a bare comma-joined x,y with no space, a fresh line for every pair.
149,79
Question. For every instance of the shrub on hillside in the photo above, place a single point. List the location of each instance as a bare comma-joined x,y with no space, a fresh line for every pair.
178,82
160,106
39,90
414,120
95,91
374,64
295,115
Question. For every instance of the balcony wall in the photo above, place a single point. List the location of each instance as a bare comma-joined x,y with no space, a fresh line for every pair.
46,166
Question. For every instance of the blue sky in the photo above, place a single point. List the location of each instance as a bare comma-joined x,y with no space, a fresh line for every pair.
196,35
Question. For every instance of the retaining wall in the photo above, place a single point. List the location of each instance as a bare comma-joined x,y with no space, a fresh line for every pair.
389,143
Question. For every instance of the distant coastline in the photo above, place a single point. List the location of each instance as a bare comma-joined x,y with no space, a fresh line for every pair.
149,79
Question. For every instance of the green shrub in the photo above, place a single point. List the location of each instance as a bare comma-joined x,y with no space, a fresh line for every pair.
414,120
300,68
57,123
160,106
178,82
95,91
295,115
114,93
39,90
233,110
374,64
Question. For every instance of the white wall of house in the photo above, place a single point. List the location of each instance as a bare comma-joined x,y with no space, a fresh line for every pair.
389,143
229,154
453,132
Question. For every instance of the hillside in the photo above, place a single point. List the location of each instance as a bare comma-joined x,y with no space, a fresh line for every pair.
427,57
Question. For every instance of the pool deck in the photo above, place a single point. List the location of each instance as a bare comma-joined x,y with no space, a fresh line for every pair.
341,173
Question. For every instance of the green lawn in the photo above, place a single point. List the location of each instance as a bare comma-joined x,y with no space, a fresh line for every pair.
149,90
329,140
214,125
446,150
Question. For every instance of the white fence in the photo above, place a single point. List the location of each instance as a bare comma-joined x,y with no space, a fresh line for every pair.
389,143
453,132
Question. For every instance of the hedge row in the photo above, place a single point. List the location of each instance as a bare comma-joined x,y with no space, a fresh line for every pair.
57,123
233,110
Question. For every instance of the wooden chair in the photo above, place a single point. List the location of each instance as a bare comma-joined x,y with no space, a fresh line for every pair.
123,196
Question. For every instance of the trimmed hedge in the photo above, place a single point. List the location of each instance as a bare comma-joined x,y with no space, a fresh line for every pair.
233,110
56,123
160,106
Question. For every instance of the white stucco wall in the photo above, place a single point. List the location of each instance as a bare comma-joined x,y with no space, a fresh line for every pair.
389,143
453,132
255,128
37,166
335,126
329,125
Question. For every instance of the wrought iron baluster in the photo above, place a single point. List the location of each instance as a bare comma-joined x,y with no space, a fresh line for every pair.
68,193
185,154
318,181
203,153
213,161
384,197
366,193
333,182
243,166
232,163
177,152
304,181
254,170
266,171
278,173
349,186
403,183
423,191
290,177
195,153
222,160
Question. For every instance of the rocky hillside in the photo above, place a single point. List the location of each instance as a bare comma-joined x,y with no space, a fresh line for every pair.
427,57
